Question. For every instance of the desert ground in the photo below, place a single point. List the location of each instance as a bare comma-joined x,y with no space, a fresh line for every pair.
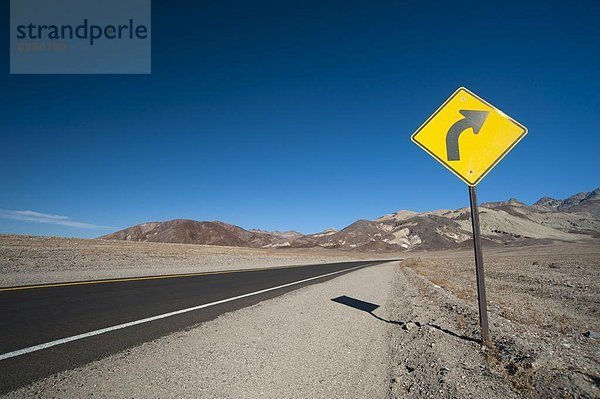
419,338
544,315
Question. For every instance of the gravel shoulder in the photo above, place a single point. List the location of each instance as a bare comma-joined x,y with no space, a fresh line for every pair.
430,356
37,260
299,345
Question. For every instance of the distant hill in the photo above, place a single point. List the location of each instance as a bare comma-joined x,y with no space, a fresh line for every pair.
185,231
509,222
582,202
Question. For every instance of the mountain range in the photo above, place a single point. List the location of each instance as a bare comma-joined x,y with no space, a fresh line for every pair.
511,222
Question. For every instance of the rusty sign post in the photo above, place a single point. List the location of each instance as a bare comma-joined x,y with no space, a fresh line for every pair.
483,316
469,137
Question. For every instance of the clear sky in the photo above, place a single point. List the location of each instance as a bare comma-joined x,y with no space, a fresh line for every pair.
298,115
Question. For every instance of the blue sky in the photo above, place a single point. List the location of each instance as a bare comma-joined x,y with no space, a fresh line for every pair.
298,115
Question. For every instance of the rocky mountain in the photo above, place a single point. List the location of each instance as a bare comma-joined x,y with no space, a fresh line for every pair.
286,235
509,222
582,202
185,231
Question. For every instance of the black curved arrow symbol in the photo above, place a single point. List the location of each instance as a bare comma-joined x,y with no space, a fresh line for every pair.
472,119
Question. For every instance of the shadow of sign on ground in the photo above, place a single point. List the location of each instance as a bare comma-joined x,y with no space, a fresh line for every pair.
364,306
371,307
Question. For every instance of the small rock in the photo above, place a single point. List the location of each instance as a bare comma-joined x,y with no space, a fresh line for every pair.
592,334
535,263
409,326
553,265
511,368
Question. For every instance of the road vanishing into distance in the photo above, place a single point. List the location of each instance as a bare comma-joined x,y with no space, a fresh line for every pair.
49,328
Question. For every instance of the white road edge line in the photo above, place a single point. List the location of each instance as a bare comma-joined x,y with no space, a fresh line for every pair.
61,341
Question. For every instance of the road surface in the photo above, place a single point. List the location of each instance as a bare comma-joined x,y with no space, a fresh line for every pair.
47,329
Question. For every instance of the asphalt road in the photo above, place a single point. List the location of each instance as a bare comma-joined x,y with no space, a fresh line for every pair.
30,318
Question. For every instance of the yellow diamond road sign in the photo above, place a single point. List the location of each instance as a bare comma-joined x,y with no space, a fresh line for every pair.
468,135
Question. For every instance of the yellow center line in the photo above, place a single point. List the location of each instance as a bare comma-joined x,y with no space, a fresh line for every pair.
125,279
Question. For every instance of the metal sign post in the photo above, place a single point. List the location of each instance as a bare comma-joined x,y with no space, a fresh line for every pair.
469,136
483,315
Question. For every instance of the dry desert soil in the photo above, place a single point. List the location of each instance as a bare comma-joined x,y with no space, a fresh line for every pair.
544,308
